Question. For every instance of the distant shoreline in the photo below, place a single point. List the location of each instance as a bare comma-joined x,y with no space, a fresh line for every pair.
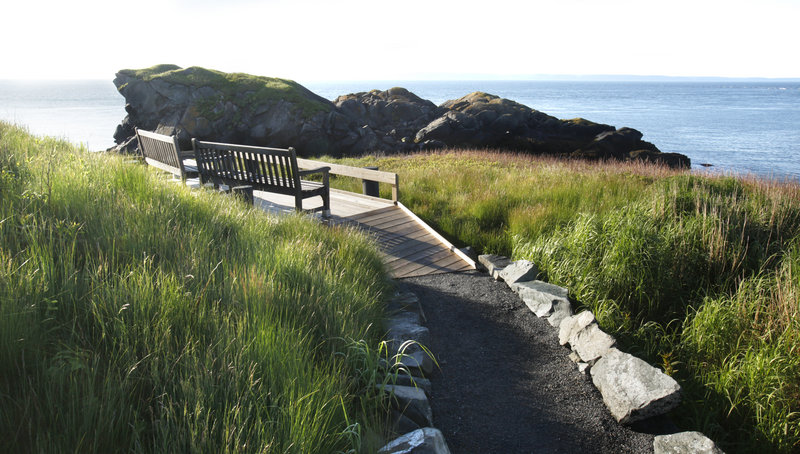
493,78
757,135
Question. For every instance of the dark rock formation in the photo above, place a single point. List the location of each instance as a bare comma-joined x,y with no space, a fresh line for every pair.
211,105
386,120
239,108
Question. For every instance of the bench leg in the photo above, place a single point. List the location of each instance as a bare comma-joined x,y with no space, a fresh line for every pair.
326,205
245,192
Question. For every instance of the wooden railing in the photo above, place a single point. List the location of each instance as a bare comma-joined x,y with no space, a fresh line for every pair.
356,172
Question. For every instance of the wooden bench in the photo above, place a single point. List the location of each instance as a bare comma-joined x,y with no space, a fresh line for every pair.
163,152
265,169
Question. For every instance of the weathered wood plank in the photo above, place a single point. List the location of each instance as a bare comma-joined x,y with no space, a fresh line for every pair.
392,240
411,253
350,171
383,216
368,214
407,246
418,269
426,260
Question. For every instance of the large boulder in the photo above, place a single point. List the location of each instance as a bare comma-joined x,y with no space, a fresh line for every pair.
542,297
632,389
585,337
212,105
394,116
485,120
232,107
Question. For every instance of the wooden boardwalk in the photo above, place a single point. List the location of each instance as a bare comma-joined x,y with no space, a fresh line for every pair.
409,246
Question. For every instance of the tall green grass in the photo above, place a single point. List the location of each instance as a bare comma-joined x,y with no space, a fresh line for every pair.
698,274
137,315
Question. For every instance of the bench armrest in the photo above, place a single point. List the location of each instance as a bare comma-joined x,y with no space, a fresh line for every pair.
323,170
317,170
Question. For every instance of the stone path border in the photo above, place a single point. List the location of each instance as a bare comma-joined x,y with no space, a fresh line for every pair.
632,389
411,412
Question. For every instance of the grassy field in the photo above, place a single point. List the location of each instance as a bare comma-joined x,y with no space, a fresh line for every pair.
700,275
137,315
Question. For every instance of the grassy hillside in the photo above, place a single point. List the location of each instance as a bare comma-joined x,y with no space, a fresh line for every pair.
137,315
700,275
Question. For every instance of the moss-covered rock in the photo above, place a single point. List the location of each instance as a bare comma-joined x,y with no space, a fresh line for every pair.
241,108
213,105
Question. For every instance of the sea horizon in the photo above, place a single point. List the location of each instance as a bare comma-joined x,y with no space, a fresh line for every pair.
737,125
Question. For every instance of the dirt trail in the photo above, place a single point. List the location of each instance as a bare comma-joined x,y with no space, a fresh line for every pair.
505,384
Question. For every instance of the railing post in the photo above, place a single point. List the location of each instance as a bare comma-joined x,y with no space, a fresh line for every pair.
369,187
396,189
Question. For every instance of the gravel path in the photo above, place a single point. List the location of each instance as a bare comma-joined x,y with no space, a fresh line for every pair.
505,385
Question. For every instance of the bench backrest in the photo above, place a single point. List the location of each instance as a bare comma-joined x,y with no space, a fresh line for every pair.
274,169
161,151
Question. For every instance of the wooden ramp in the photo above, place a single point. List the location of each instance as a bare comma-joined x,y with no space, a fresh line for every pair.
410,247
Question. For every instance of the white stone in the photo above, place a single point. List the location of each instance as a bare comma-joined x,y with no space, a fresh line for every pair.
422,441
494,264
632,389
541,297
685,443
561,310
591,343
571,325
519,271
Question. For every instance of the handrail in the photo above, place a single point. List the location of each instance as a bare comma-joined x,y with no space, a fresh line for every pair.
356,172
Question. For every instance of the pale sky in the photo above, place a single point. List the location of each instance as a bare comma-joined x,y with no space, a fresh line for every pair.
319,40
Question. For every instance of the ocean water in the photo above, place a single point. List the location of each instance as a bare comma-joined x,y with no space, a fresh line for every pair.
743,127
84,112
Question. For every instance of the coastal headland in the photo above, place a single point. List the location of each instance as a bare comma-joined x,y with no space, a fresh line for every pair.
255,110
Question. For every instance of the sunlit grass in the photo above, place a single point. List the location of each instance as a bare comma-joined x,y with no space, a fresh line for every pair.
137,315
698,274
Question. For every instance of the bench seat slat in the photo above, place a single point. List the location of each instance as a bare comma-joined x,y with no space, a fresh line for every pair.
265,169
162,151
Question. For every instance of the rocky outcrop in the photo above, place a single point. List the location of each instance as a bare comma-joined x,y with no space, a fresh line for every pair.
253,110
212,105
386,120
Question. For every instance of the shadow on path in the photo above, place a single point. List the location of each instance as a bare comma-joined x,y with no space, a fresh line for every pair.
505,385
